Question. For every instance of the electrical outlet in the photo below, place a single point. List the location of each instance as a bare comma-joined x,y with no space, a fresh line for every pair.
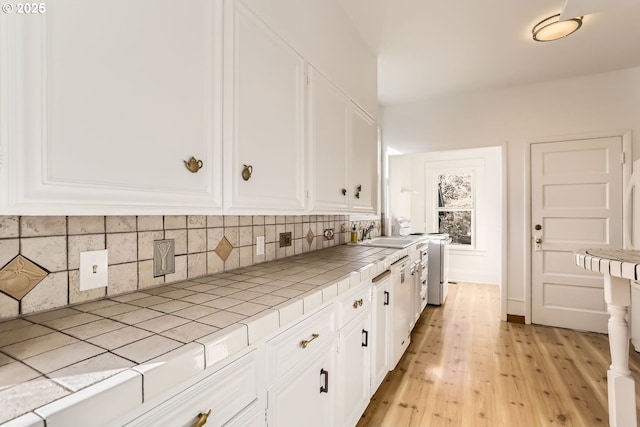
164,257
260,245
285,239
94,272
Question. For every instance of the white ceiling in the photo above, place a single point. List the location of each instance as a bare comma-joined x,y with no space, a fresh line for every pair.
429,48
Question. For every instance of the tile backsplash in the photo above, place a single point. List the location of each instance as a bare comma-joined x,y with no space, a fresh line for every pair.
40,255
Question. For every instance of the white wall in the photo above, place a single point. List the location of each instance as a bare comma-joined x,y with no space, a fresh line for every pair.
593,103
408,173
321,32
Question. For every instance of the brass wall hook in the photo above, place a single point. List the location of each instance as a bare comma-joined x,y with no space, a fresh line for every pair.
246,172
193,165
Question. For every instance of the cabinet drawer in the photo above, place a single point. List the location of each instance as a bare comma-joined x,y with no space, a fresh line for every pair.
353,303
226,393
300,343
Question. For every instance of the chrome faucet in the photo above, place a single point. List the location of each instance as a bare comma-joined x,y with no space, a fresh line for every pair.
366,232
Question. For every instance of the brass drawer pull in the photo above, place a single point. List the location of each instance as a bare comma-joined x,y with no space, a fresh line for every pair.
305,343
202,419
358,303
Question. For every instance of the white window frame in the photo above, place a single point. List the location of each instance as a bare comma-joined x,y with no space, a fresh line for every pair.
474,167
472,209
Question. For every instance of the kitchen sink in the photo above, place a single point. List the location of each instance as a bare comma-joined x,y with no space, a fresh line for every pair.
389,242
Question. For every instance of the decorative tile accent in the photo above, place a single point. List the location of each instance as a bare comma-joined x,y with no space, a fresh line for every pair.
20,276
310,236
224,249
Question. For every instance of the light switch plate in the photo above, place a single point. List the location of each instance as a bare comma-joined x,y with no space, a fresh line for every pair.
94,269
260,245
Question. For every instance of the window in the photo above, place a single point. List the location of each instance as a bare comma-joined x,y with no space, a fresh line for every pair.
455,211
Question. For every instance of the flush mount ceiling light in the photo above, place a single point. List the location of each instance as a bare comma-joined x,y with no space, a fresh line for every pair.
553,29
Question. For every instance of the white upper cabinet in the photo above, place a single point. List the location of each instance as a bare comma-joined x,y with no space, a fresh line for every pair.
363,162
264,109
343,141
328,142
105,101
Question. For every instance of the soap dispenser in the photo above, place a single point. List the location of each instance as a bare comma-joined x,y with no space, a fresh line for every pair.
354,234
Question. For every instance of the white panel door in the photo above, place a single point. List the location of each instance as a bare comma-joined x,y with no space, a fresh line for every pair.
576,202
363,162
354,370
264,82
306,397
328,137
380,334
108,100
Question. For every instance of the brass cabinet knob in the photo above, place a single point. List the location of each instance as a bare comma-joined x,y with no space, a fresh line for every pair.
247,170
538,240
193,164
202,419
358,303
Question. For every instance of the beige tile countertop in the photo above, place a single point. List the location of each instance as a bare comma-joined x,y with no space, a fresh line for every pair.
51,358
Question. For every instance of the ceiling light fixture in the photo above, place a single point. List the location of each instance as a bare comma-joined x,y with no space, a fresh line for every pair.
553,29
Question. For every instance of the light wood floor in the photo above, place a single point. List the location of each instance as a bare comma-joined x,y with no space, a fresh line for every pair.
464,367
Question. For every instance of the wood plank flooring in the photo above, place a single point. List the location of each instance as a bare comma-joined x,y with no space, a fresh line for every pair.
464,367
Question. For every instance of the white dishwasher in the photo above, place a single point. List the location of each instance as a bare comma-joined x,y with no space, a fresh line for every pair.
402,309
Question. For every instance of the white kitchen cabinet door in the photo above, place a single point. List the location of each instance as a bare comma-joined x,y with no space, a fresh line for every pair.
329,110
380,333
363,162
105,102
307,396
354,369
264,96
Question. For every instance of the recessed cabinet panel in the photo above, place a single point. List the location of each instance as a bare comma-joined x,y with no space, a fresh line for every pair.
306,398
363,162
111,99
264,123
328,138
354,364
380,329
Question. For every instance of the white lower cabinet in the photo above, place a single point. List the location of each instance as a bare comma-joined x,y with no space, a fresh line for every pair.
354,354
226,393
354,369
301,372
380,330
307,396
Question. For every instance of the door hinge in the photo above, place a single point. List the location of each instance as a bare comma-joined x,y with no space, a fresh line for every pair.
623,157
306,194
